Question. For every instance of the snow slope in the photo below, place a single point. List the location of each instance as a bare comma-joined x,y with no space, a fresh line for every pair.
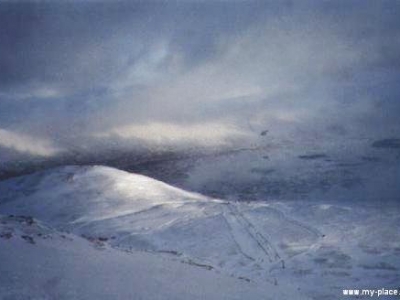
291,249
53,265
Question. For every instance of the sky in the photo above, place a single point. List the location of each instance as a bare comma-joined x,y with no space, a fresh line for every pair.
91,76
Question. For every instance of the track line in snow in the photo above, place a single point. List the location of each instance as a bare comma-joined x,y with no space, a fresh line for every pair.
251,242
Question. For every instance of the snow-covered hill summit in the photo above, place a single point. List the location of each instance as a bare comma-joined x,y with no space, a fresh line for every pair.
134,212
287,246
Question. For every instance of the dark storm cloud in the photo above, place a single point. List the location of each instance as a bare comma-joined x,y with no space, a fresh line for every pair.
56,42
78,73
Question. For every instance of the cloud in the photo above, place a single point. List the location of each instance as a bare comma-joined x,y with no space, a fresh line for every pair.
76,73
27,145
210,134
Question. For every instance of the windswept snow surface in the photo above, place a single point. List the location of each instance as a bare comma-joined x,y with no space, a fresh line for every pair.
51,265
277,250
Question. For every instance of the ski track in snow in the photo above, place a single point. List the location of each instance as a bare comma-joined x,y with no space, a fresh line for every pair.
252,243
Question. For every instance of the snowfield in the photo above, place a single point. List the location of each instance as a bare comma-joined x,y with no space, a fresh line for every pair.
101,233
53,265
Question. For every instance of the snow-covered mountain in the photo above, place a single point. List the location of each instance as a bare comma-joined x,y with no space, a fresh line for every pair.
265,250
38,262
